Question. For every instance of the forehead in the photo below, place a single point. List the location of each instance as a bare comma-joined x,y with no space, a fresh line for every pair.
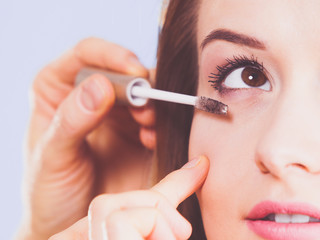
275,22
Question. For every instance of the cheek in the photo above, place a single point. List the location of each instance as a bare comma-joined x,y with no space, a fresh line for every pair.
230,146
227,145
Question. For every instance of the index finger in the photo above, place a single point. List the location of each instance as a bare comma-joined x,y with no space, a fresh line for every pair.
180,184
99,53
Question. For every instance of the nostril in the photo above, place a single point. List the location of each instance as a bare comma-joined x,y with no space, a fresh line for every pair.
262,167
301,166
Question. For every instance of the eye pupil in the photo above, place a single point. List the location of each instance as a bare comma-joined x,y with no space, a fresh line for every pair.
253,77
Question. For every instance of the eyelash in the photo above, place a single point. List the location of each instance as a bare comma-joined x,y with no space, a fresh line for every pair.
232,64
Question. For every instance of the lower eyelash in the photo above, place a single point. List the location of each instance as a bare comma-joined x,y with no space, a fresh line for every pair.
236,62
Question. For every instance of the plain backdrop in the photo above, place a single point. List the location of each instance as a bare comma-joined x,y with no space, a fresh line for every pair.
35,32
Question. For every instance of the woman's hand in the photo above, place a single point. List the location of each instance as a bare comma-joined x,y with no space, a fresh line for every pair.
78,145
145,214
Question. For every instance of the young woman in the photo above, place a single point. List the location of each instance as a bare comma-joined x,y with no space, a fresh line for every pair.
262,170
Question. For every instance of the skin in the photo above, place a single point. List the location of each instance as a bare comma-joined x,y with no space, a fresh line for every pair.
267,148
146,214
73,145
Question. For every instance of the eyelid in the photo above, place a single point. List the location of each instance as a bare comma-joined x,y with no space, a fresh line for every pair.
234,63
237,62
233,81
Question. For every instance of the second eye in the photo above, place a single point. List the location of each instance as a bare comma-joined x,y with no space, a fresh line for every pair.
247,77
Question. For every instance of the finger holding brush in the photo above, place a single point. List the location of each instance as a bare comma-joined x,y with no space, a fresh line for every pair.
77,137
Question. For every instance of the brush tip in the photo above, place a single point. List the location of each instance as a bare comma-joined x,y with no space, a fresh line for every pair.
211,105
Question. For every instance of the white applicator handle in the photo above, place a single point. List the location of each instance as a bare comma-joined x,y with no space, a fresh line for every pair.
151,93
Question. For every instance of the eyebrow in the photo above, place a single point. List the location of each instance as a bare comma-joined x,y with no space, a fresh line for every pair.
233,37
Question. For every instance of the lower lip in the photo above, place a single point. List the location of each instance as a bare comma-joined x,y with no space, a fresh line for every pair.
285,231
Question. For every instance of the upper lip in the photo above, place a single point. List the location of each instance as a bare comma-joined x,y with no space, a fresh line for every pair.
265,208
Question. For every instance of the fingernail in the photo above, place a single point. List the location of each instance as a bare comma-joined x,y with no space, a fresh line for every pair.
92,95
192,163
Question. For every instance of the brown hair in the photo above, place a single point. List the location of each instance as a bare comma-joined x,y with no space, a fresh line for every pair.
177,71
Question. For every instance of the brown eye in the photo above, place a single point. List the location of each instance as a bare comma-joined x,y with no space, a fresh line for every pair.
253,77
247,77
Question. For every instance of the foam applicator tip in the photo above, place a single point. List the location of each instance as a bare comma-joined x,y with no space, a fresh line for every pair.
211,105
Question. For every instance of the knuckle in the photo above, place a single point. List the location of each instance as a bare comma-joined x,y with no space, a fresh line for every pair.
64,122
126,54
156,194
100,201
121,52
38,89
160,199
83,44
42,75
54,237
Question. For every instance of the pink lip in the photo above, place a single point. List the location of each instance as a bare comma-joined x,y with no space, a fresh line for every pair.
283,231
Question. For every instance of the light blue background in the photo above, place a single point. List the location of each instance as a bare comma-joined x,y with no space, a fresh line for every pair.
33,33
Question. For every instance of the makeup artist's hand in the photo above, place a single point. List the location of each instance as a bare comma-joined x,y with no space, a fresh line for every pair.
147,214
78,145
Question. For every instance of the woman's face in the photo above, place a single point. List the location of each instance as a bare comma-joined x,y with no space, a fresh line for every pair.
262,59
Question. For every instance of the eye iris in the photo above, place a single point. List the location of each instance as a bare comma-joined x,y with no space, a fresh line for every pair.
253,77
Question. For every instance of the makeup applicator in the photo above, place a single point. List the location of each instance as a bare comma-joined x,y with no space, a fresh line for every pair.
136,91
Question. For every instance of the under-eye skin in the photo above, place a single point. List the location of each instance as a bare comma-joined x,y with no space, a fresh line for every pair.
240,73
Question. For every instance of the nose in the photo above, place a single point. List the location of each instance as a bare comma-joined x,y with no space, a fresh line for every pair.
291,141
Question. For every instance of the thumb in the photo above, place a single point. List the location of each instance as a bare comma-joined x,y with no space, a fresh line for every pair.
82,110
180,184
